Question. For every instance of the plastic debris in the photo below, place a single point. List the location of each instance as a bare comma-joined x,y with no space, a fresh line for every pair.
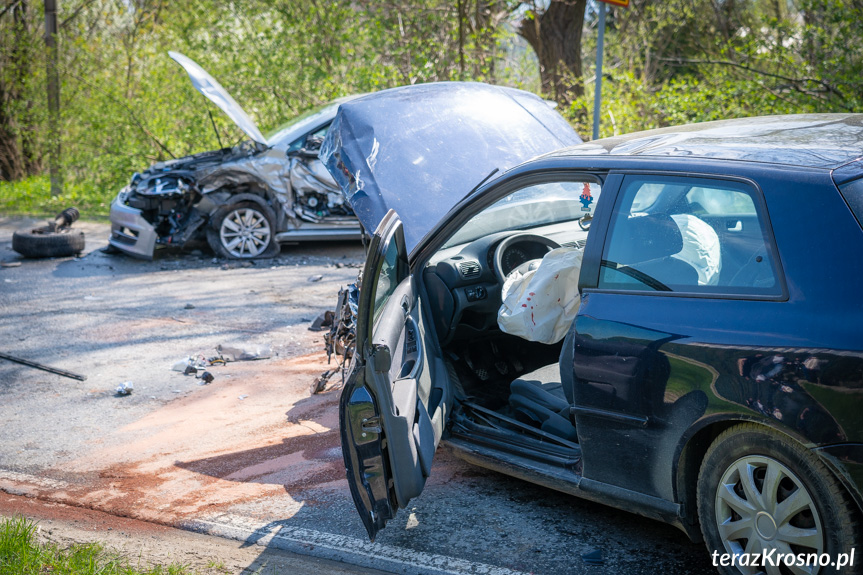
206,378
189,362
244,353
125,388
242,397
10,264
323,321
189,306
316,278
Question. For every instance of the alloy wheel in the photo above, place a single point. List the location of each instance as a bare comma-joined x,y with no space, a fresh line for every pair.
245,233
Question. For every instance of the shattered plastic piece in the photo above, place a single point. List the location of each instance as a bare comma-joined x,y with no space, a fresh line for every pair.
323,321
125,388
10,264
593,558
321,382
190,370
184,364
316,278
242,397
240,353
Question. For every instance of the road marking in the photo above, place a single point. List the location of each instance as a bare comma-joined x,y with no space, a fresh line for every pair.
351,550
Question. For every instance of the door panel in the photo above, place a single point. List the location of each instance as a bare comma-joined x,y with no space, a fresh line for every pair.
388,434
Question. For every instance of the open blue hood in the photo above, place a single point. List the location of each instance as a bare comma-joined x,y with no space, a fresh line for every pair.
420,149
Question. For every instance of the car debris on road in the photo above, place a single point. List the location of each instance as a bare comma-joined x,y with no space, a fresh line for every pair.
43,367
341,337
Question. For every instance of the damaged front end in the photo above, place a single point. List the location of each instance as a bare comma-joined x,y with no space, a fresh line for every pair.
162,206
318,199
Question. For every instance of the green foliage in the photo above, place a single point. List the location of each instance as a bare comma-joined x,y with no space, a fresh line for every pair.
31,196
21,554
683,61
126,104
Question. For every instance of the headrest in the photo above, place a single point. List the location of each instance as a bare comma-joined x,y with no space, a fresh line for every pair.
641,238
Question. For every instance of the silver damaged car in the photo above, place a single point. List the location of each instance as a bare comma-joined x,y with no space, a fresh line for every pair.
246,199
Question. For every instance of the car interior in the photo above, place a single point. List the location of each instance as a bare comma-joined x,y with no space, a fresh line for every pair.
667,234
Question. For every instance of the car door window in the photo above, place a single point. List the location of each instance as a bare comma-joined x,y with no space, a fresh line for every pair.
689,235
388,279
319,134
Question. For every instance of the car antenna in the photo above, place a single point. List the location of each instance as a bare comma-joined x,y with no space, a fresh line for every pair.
484,180
212,121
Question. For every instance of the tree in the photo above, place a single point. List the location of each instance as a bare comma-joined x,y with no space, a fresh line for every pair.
554,33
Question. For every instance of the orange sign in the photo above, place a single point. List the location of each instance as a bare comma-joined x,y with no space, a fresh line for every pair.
622,3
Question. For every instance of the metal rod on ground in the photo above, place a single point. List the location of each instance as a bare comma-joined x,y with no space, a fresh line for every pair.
64,373
597,93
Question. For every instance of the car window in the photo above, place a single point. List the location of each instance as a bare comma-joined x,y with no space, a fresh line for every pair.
719,202
300,142
692,235
853,194
299,124
530,207
388,279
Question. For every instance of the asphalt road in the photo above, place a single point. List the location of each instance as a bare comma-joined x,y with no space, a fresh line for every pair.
252,456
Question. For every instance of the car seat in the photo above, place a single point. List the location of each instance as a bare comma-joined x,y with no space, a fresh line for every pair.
544,396
647,244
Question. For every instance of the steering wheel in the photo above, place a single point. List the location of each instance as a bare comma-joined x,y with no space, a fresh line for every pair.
525,266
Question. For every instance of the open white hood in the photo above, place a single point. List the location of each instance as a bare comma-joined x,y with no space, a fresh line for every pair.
209,87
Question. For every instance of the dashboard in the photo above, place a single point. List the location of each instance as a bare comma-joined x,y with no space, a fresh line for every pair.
464,281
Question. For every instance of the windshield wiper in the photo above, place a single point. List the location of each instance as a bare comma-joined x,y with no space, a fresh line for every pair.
482,181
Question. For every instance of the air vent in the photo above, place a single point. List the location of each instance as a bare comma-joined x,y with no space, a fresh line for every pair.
469,270
576,244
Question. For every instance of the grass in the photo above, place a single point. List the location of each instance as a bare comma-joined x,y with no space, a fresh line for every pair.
32,197
21,554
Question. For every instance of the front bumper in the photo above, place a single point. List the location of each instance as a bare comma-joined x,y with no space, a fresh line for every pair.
130,232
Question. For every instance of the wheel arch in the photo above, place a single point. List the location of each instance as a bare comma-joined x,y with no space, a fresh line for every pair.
693,447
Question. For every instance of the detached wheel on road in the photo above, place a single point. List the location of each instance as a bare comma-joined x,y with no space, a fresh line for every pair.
759,491
45,242
245,230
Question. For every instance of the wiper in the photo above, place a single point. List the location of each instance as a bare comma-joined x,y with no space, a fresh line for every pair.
481,182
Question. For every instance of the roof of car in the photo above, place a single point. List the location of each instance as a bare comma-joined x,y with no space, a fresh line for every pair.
813,140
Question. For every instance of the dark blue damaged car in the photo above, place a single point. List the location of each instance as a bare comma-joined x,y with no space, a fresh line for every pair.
712,375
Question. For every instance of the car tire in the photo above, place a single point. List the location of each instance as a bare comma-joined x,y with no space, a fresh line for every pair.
43,242
245,230
739,512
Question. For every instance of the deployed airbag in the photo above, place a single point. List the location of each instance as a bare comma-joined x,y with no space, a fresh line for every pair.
541,304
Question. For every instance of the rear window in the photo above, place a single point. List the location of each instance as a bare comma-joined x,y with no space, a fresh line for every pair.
853,194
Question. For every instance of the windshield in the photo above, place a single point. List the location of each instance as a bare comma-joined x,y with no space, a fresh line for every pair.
301,124
531,207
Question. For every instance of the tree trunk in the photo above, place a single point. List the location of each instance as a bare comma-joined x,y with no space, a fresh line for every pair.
53,87
555,36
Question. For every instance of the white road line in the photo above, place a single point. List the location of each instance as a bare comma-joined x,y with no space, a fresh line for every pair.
342,548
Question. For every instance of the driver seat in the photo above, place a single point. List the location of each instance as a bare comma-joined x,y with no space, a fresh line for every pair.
543,396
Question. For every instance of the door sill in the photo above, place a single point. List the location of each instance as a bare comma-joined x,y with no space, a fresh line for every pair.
482,426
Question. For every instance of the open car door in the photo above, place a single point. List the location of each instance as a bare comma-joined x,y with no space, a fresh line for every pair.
391,411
